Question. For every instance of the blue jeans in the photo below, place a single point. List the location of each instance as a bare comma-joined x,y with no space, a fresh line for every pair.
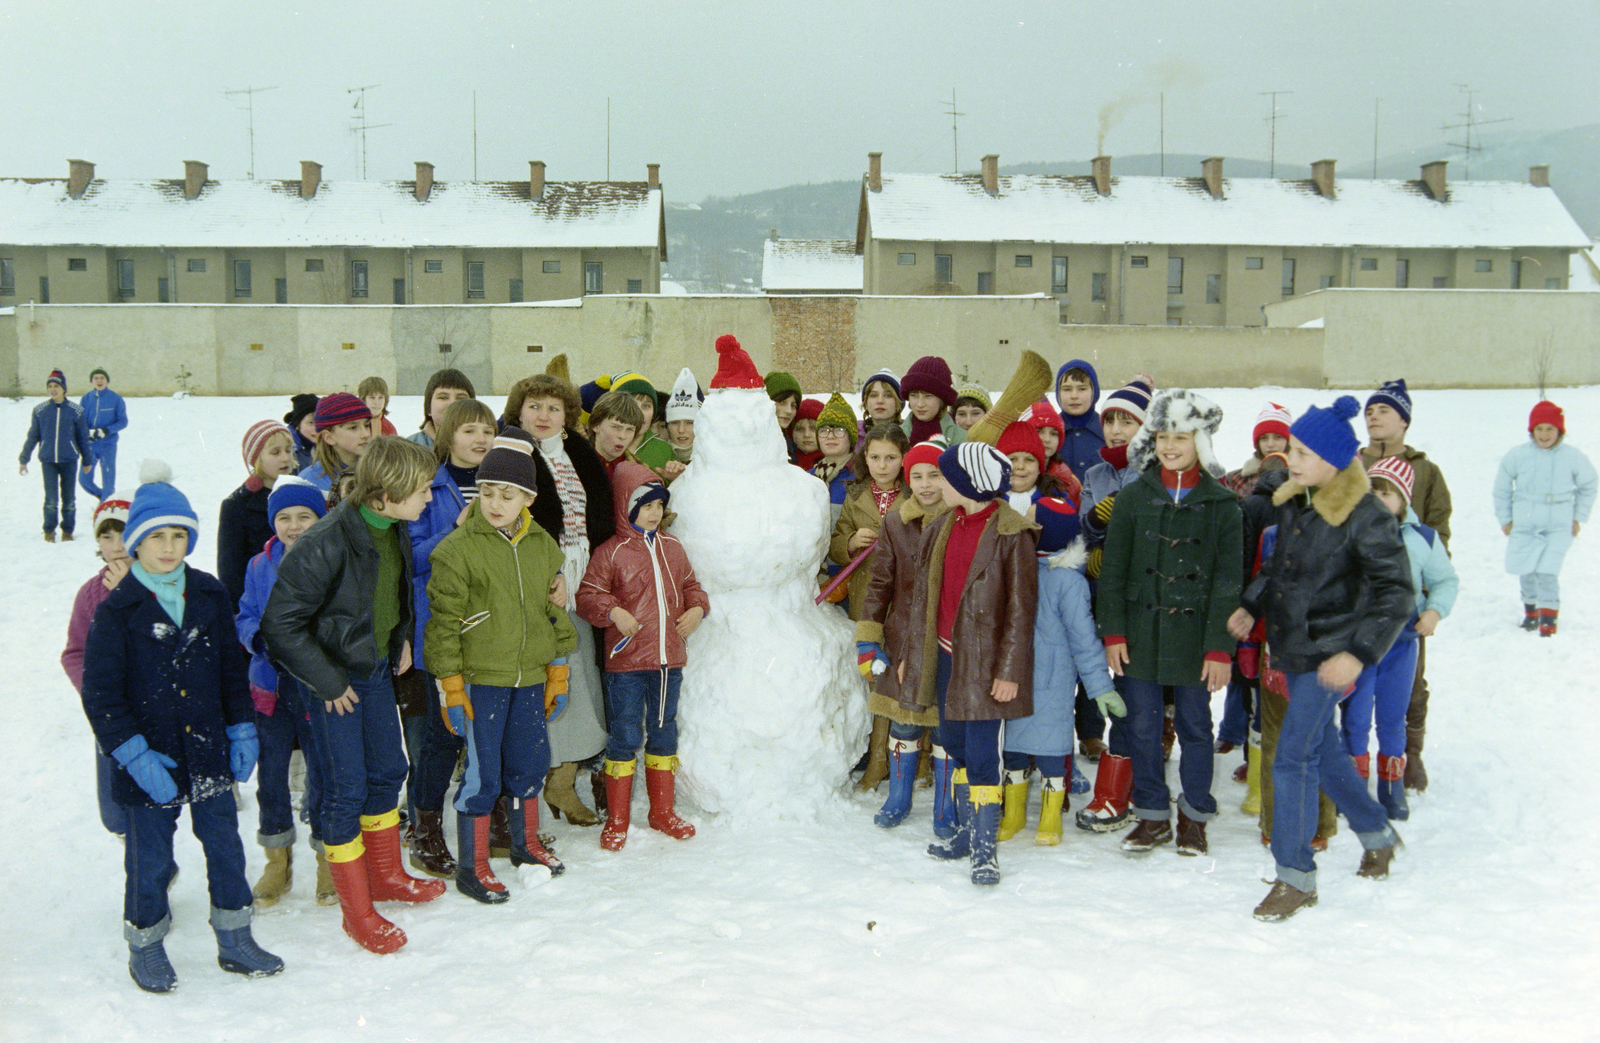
436,753
1192,718
1049,767
148,863
362,761
974,745
508,749
102,454
278,734
1235,724
60,491
642,708
1310,756
113,816
1386,689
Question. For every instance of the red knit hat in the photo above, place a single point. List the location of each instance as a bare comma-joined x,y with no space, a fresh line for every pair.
1547,413
341,407
1396,470
809,409
734,368
921,453
1273,420
1020,437
1040,415
932,375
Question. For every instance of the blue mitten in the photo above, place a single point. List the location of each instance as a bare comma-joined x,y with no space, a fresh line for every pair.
871,659
560,707
243,750
148,768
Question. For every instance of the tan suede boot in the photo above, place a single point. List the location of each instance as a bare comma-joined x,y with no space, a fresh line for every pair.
562,797
327,894
877,756
275,878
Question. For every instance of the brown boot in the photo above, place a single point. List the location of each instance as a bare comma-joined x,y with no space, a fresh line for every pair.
327,894
1416,774
1169,735
597,792
877,756
1148,834
50,537
429,853
1092,749
275,878
563,798
1283,901
500,828
1191,836
1375,861
66,537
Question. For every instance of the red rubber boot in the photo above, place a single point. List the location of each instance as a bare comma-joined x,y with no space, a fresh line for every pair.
387,879
619,804
661,783
347,864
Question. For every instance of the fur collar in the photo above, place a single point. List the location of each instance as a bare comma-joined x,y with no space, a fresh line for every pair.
1007,522
1073,556
1335,500
910,510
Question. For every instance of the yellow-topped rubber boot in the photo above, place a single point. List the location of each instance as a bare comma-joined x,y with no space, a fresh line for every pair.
1015,814
1052,798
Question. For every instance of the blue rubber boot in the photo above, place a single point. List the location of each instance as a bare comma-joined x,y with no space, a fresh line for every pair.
944,805
237,951
959,844
902,778
147,957
984,833
1080,781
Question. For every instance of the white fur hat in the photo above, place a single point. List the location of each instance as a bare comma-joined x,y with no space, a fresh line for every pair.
1178,410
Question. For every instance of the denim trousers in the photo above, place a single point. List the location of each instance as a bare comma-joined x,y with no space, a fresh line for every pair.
60,491
1310,755
1385,691
642,708
102,457
436,753
362,760
1192,719
147,858
974,745
278,733
113,816
508,748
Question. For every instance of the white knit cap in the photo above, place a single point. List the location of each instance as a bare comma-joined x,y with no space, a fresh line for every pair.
684,402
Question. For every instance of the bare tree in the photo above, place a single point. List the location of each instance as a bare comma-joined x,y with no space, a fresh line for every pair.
1543,361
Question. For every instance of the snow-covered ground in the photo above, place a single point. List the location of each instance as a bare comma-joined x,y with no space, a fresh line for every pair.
830,928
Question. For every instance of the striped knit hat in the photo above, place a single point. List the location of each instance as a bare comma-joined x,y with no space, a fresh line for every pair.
509,461
883,376
976,471
1396,470
341,407
1133,399
157,504
977,394
1274,420
256,439
1393,394
633,384
56,377
922,453
113,508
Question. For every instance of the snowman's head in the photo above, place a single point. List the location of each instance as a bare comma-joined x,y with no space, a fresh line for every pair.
738,428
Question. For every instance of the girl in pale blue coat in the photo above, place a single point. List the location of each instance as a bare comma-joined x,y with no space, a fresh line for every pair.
1542,496
1065,651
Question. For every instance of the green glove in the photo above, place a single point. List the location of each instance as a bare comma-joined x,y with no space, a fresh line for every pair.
1111,704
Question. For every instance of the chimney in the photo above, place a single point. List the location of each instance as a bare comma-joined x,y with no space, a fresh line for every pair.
310,178
424,181
875,171
1539,176
194,178
1101,165
79,173
1433,177
652,175
991,174
1322,176
536,179
1211,172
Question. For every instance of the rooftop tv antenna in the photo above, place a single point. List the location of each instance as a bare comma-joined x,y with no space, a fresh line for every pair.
359,124
1469,121
250,108
955,140
1272,136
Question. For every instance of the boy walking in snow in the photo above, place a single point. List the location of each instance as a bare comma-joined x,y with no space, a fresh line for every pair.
106,415
57,427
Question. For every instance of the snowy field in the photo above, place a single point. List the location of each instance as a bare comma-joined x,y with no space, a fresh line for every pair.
811,923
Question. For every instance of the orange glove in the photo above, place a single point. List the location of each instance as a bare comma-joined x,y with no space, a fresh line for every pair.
556,678
455,706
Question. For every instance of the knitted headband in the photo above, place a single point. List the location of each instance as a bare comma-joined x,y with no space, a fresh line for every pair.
975,470
341,407
256,438
1396,470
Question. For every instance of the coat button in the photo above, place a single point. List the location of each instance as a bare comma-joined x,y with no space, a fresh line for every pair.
183,691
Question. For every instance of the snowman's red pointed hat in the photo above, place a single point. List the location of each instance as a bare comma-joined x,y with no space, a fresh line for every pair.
734,368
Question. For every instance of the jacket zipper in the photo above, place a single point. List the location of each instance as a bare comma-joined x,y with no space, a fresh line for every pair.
654,547
522,602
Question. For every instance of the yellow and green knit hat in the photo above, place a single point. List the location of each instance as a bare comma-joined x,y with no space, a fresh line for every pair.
837,413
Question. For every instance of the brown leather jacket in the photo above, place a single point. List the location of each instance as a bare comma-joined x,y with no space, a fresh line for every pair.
891,574
993,633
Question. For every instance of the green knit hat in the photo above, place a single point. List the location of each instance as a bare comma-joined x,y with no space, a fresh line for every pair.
633,384
837,413
977,394
778,383
100,371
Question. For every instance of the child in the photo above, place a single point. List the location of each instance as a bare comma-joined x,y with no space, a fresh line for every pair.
880,401
344,430
836,438
613,421
443,388
58,428
339,621
683,406
374,391
930,394
784,391
1269,437
1034,494
970,648
244,524
1386,687
1077,391
1046,423
971,403
641,588
110,518
497,641
105,414
281,716
1170,575
884,621
1336,592
301,419
647,449
806,449
165,690
1543,494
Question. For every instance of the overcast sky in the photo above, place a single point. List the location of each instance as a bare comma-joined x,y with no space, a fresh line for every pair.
737,97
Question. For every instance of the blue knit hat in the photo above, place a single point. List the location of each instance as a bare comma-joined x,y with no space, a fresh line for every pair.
1392,393
643,493
56,377
293,491
158,504
883,376
977,471
1327,432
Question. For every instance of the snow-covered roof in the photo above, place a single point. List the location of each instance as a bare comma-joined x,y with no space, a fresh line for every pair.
271,214
811,264
1253,211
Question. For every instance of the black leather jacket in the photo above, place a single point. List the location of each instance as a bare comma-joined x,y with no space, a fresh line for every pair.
318,619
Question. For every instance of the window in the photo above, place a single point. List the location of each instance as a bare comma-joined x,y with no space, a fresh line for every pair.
1252,263
514,291
44,289
985,282
1175,276
1439,282
280,291
432,267
1097,286
552,267
534,349
1213,289
241,278
399,291
1058,275
358,278
1288,277
593,277
1369,264
1552,284
163,290
347,346
1138,261
444,349
1323,282
1026,260
313,264
474,280
635,285
944,268
907,259
77,264
125,279
1483,266
1174,321
197,264
1402,273
8,277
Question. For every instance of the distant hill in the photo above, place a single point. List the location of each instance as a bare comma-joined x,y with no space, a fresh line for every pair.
715,246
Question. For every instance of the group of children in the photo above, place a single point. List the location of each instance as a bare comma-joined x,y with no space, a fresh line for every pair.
1018,573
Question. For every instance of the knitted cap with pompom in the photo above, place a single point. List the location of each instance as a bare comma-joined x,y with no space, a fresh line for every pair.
1397,471
1327,432
157,504
734,368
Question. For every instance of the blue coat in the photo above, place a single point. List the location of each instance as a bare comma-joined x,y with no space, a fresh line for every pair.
1084,438
1065,651
438,520
181,687
317,476
59,431
105,409
1432,573
259,575
1541,492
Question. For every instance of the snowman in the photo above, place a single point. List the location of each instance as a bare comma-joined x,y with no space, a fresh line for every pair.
772,713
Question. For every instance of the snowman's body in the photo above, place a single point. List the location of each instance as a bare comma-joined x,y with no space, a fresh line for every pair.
772,712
